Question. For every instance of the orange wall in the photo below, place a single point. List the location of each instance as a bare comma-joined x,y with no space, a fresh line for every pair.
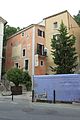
40,40
26,43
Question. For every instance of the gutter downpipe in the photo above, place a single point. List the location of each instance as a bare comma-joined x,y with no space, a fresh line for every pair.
33,61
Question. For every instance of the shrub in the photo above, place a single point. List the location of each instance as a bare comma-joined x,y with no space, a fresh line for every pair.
14,75
18,76
26,80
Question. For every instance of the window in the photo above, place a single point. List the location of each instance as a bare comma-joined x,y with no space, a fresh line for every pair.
40,49
16,65
26,64
23,52
22,33
41,63
39,32
55,25
43,34
56,36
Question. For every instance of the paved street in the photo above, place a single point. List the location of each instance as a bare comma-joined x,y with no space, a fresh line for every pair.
24,109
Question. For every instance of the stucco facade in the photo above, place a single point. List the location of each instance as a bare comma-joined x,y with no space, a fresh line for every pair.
52,25
27,48
21,50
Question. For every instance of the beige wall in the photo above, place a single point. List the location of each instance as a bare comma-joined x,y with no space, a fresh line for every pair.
50,31
75,30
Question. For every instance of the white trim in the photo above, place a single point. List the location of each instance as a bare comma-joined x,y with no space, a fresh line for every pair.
40,43
33,47
33,56
1,44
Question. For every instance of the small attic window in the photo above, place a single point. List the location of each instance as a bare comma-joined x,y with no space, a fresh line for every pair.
22,33
55,25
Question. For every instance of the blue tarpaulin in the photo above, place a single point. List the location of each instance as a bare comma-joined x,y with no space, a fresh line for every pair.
66,86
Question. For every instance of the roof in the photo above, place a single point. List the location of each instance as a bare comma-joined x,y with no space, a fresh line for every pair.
24,29
21,30
3,20
55,14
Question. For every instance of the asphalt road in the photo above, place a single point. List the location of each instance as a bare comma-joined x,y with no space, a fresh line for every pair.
25,110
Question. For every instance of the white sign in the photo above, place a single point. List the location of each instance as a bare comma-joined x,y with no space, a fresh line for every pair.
36,60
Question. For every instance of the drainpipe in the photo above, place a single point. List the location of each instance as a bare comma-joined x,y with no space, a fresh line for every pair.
33,61
33,56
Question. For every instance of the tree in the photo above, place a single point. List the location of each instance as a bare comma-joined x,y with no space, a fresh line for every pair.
63,51
8,31
26,80
18,76
14,75
77,18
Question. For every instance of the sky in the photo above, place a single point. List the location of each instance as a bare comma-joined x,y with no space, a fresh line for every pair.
21,13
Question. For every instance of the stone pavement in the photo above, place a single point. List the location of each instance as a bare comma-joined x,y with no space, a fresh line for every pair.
26,98
6,96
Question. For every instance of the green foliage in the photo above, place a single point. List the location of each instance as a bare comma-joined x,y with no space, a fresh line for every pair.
63,52
26,80
77,18
8,31
14,75
18,76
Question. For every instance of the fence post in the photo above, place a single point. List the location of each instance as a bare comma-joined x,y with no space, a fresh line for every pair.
12,96
32,95
54,100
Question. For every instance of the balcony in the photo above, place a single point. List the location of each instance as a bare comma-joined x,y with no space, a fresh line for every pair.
41,51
